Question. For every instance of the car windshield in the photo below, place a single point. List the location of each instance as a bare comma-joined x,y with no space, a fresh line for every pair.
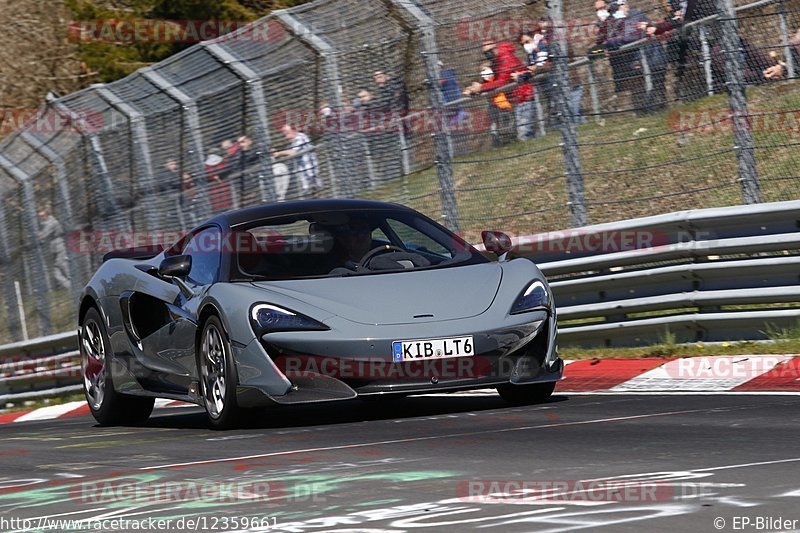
345,243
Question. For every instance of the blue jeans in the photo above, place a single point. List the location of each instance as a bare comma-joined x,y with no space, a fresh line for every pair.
525,114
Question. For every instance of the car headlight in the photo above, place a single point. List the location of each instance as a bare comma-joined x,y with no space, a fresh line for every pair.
535,298
267,318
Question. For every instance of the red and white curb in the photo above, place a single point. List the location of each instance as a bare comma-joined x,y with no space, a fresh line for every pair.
691,375
737,374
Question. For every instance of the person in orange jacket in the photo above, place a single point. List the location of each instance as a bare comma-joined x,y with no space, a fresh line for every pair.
505,63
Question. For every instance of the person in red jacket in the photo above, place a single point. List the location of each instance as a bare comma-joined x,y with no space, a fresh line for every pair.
505,63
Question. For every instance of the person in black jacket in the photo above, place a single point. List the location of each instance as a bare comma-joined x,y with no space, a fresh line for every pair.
628,27
390,101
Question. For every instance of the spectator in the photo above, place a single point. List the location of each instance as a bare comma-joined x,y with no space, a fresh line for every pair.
169,179
755,64
363,100
779,70
602,22
304,159
537,50
625,29
454,115
504,63
391,94
50,233
451,92
219,190
390,103
501,112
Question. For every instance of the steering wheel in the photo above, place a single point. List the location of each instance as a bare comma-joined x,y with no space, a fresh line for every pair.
383,249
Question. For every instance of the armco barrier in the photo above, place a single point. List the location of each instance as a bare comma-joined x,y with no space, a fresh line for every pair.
708,275
722,274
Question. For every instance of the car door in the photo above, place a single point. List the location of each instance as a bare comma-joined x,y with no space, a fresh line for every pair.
163,311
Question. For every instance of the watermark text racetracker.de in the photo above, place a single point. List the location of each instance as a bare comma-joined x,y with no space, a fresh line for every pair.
573,491
725,122
131,491
570,241
129,31
186,523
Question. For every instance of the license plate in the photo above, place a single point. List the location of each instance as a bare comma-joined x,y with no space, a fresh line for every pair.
432,349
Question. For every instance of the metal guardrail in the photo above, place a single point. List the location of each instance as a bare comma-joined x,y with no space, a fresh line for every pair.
717,273
726,274
40,367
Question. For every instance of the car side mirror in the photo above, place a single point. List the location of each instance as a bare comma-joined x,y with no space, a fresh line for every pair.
177,266
497,242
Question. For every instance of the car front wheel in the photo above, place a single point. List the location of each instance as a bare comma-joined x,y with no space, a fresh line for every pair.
218,376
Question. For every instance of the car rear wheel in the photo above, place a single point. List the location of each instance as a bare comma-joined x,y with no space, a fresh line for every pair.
526,394
108,406
218,376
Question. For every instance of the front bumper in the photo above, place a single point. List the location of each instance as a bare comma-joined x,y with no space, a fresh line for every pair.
330,366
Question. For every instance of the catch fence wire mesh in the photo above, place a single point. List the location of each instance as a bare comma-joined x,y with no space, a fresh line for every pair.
377,88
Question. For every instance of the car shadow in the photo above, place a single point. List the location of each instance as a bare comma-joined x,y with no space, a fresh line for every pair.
344,412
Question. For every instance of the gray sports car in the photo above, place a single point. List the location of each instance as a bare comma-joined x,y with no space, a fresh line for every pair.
313,301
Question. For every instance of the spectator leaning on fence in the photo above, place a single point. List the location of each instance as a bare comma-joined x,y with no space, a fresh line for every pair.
304,159
451,92
537,50
779,70
50,233
626,28
500,110
504,63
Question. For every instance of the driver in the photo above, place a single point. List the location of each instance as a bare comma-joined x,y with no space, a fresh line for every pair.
352,241
355,240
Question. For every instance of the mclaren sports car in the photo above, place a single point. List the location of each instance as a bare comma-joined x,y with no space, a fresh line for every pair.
313,301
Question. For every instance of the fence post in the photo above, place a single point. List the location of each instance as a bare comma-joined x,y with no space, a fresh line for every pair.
706,51
143,164
67,221
541,121
191,124
787,49
344,173
255,90
442,139
97,159
9,290
734,74
593,95
569,136
647,74
30,226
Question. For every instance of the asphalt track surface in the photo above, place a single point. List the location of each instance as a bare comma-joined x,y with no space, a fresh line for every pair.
659,463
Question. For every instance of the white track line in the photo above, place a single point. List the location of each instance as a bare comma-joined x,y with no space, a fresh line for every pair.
421,439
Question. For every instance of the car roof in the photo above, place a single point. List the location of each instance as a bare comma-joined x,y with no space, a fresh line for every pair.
242,216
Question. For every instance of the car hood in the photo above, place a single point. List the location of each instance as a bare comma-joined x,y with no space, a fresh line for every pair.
399,298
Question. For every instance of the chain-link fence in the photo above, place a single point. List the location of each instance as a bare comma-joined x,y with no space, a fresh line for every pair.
515,115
